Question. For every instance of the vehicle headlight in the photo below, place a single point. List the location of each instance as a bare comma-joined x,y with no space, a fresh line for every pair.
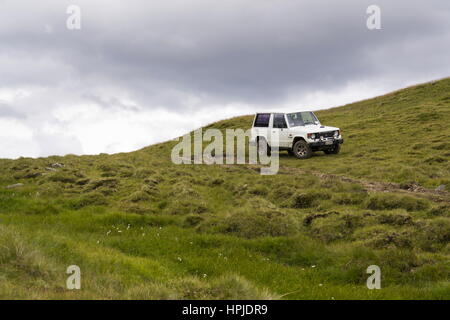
336,133
311,136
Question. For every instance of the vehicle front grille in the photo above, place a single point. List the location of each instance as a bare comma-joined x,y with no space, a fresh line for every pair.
328,134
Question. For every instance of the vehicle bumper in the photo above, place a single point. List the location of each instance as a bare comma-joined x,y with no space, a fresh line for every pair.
319,144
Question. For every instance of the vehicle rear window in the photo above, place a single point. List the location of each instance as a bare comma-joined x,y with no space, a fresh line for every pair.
262,120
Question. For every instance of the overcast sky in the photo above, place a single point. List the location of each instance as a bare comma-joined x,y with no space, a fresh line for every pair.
140,72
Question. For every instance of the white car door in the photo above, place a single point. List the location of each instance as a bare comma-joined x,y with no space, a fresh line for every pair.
280,129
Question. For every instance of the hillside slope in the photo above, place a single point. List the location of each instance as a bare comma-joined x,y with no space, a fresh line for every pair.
141,227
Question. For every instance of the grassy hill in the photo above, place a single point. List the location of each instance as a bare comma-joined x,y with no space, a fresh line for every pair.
141,227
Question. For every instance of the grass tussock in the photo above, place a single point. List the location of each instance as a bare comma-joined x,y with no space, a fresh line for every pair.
390,201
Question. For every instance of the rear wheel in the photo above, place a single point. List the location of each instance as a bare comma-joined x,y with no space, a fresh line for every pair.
263,147
302,150
334,150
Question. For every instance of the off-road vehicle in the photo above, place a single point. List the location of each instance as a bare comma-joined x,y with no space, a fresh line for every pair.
300,133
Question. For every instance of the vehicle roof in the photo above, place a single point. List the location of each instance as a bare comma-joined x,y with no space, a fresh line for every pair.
285,111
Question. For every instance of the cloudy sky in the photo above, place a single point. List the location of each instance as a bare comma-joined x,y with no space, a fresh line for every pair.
140,72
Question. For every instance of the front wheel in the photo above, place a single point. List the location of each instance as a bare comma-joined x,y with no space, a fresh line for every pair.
302,150
334,150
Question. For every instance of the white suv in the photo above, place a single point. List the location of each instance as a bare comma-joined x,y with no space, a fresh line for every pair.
300,133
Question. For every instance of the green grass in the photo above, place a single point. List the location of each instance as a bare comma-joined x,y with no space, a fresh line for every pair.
140,227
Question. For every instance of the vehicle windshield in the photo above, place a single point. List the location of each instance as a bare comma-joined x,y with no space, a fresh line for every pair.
301,118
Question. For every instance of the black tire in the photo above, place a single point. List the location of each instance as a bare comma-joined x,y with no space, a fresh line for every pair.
334,150
263,147
302,150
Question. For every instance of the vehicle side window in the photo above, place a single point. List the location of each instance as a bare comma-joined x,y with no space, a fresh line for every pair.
262,120
279,121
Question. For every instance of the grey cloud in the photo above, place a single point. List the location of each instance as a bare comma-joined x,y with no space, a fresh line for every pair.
9,112
241,51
